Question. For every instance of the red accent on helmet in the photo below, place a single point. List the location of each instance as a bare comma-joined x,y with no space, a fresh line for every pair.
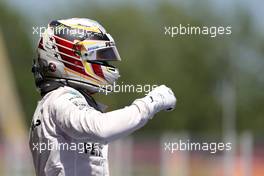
40,45
98,70
76,64
67,51
71,60
63,42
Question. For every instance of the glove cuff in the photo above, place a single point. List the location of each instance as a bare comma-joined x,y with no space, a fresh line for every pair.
144,106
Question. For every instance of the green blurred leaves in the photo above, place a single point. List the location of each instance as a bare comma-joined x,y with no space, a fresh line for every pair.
191,65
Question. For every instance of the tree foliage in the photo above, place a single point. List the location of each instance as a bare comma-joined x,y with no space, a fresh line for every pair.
192,65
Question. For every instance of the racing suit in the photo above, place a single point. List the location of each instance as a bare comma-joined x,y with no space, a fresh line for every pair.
69,137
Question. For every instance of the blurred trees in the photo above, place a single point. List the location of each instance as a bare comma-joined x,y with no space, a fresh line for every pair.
20,53
192,65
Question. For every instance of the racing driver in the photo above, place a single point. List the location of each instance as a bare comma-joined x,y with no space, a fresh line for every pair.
72,63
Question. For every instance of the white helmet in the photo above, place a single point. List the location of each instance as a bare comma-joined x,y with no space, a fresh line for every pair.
76,52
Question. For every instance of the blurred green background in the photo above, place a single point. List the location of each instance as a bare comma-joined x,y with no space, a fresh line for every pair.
194,66
218,81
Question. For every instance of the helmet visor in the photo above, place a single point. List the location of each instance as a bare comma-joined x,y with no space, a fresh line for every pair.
107,54
103,54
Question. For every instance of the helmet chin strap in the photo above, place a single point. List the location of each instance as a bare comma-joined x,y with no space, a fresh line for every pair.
49,85
90,100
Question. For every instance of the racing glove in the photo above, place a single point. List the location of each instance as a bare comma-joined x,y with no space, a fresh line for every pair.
160,98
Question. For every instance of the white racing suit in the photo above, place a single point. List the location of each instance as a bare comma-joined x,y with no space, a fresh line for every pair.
68,137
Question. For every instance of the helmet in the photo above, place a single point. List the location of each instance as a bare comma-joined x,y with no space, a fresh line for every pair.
76,52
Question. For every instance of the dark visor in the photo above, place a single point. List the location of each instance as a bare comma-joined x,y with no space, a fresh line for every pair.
107,54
